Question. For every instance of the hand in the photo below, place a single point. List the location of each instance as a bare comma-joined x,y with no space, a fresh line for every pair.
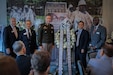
53,46
82,50
101,52
31,72
40,47
35,50
8,51
92,48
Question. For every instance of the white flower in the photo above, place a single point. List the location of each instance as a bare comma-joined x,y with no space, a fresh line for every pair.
112,35
21,25
72,38
109,41
65,45
65,32
64,40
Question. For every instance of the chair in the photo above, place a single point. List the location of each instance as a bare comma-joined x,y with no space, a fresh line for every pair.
92,54
81,68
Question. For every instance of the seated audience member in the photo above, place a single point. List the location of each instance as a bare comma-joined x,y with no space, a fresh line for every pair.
8,66
22,60
102,66
108,41
40,62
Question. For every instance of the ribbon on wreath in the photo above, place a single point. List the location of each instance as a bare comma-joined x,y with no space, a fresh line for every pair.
65,25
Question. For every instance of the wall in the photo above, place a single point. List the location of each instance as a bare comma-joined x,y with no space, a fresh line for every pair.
108,15
3,12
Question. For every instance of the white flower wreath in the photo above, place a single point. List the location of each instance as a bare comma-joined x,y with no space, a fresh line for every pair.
112,35
72,38
21,25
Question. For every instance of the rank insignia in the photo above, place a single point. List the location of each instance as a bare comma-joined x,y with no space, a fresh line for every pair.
51,27
45,31
44,27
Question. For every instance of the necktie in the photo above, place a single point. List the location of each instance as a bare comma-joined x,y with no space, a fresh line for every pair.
29,33
15,32
78,37
94,30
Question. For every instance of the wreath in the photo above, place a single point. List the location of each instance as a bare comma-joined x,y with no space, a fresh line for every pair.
72,38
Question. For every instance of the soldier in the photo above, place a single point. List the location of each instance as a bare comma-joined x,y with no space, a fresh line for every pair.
46,34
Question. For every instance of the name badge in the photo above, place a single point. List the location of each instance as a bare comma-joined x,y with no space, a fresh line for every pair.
12,31
98,33
25,34
51,27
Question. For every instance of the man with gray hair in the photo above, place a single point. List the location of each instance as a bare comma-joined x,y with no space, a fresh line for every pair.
10,35
22,60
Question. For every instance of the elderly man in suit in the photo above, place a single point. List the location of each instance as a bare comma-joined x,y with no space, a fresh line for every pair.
81,44
98,36
102,66
10,35
22,60
28,36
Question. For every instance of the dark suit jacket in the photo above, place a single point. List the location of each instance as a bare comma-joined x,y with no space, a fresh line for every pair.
9,38
24,64
30,43
83,40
